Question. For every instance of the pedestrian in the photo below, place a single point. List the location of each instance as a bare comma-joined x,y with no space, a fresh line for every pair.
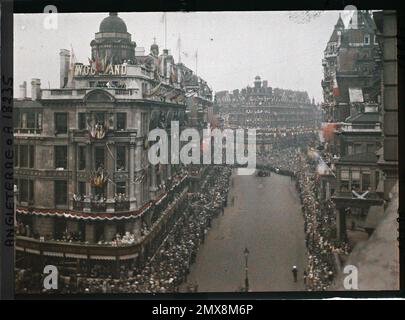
295,273
305,277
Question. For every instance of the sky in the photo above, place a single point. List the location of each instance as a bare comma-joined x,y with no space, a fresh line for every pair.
284,48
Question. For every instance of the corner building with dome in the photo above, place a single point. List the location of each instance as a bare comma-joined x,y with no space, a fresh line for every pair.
82,173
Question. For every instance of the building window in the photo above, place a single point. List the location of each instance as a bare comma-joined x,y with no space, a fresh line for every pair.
356,180
375,40
344,180
121,188
121,121
81,188
26,190
121,158
99,157
370,148
16,164
61,123
31,156
357,148
24,156
23,190
350,149
61,157
82,121
365,180
100,118
82,158
367,39
60,193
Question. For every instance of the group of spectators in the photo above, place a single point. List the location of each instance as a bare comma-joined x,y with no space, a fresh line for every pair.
167,268
319,226
319,216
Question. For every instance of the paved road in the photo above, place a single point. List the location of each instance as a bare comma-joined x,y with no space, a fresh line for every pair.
266,218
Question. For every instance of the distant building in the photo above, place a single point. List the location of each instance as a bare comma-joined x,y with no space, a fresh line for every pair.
273,112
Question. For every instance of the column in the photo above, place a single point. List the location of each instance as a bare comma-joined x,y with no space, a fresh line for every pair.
138,169
73,169
89,158
132,197
110,167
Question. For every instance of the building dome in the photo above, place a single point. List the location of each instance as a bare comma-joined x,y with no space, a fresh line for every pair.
113,23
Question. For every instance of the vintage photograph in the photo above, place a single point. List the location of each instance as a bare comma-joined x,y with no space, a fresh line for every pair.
184,152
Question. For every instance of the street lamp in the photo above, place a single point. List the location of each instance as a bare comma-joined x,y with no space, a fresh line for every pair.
246,253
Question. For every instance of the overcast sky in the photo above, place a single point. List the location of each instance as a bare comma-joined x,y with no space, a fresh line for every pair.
285,48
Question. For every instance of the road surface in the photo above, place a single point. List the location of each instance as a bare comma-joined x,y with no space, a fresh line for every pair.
263,215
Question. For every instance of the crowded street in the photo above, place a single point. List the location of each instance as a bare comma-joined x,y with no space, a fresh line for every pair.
263,215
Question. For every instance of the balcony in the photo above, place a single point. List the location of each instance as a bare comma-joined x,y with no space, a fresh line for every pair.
27,131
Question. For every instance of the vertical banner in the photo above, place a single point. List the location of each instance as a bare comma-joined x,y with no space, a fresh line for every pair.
6,162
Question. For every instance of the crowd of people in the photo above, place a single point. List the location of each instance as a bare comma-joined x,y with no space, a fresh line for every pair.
319,216
168,267
319,226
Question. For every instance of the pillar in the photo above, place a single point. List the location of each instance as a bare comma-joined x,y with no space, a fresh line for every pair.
132,197
110,167
138,169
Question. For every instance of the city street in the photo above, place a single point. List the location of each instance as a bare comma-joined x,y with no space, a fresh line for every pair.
264,215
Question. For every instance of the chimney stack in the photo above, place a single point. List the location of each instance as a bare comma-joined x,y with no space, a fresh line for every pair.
35,89
64,66
23,91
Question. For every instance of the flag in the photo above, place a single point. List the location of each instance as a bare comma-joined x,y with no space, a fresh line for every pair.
97,63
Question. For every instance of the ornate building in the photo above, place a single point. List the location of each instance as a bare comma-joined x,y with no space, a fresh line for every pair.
274,113
81,152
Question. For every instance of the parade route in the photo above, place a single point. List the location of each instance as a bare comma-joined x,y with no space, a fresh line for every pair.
264,215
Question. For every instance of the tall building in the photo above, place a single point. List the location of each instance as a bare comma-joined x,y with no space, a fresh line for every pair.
274,113
354,87
81,152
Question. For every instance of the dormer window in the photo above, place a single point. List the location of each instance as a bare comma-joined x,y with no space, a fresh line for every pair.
367,39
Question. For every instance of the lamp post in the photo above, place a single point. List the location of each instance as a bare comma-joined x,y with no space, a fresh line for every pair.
246,253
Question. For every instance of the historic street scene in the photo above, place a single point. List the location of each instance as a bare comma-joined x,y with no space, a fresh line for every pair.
174,153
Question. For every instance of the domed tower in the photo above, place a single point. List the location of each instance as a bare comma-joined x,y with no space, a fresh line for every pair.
258,82
113,41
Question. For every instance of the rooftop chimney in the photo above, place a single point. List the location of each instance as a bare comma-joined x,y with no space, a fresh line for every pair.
64,66
23,91
35,89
